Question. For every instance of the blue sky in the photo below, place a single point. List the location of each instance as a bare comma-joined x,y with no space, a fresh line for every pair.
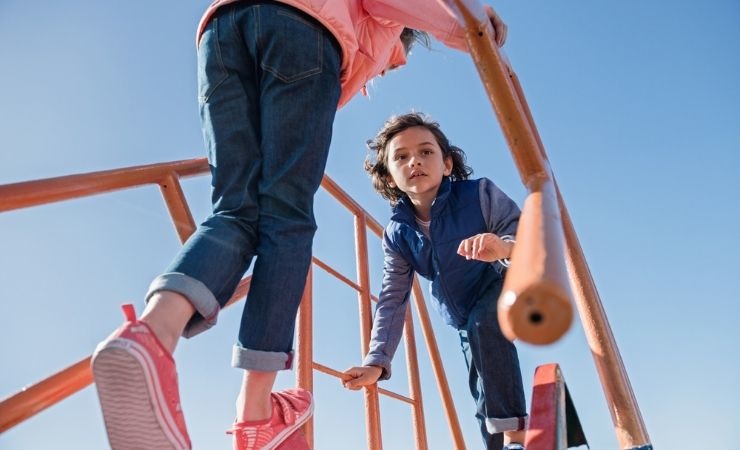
638,105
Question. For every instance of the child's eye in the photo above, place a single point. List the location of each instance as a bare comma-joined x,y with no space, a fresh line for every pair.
399,157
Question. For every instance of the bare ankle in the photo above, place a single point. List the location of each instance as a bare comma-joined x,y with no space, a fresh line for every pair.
167,313
514,436
254,401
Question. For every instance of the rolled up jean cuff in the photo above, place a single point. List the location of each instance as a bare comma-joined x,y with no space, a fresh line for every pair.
198,295
494,425
247,359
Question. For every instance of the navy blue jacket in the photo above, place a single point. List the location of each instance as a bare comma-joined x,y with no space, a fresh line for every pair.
461,210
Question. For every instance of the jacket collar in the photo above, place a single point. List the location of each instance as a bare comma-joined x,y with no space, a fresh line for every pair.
404,210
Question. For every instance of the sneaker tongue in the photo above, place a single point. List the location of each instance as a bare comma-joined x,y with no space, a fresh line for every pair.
285,407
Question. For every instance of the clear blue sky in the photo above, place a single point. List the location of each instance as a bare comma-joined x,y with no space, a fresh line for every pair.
638,104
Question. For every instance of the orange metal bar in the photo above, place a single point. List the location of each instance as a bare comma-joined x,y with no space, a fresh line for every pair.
34,399
444,389
177,205
372,406
625,412
536,305
547,420
412,363
335,373
40,396
50,190
516,120
304,338
336,274
349,203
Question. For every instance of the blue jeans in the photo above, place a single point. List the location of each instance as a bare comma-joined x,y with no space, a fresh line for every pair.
494,377
268,81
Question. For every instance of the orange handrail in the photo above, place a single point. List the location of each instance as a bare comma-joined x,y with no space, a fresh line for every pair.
535,305
507,97
37,397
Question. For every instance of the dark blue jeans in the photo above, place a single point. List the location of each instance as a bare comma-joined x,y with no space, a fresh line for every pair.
268,80
494,376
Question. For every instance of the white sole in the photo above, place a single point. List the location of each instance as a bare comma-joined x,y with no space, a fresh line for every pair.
129,395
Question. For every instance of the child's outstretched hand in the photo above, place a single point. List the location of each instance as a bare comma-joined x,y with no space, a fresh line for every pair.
359,377
485,247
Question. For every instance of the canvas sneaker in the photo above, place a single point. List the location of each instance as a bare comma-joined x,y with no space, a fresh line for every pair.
290,409
136,381
296,441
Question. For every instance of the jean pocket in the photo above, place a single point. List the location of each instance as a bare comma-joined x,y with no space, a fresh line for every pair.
211,70
300,52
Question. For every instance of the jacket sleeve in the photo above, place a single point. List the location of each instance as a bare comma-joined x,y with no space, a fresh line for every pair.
425,15
500,212
390,312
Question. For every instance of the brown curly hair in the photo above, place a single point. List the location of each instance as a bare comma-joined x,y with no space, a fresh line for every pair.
376,164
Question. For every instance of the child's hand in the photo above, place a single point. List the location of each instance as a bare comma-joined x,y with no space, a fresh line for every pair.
499,27
485,247
358,377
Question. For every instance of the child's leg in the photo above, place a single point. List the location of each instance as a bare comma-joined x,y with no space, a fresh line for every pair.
296,65
490,440
253,402
495,378
167,313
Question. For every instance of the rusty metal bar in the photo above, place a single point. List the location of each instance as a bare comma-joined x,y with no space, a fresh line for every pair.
372,406
439,374
547,420
50,190
304,338
177,205
412,364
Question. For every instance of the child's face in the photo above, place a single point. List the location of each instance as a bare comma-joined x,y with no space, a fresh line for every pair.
416,163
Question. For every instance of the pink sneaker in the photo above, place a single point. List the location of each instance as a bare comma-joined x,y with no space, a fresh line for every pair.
296,441
137,386
290,409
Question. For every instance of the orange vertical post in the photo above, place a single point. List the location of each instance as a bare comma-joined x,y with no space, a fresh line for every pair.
304,337
177,205
439,373
372,404
412,363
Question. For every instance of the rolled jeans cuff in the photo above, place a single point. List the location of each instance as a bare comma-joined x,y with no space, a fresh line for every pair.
494,425
198,295
247,359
